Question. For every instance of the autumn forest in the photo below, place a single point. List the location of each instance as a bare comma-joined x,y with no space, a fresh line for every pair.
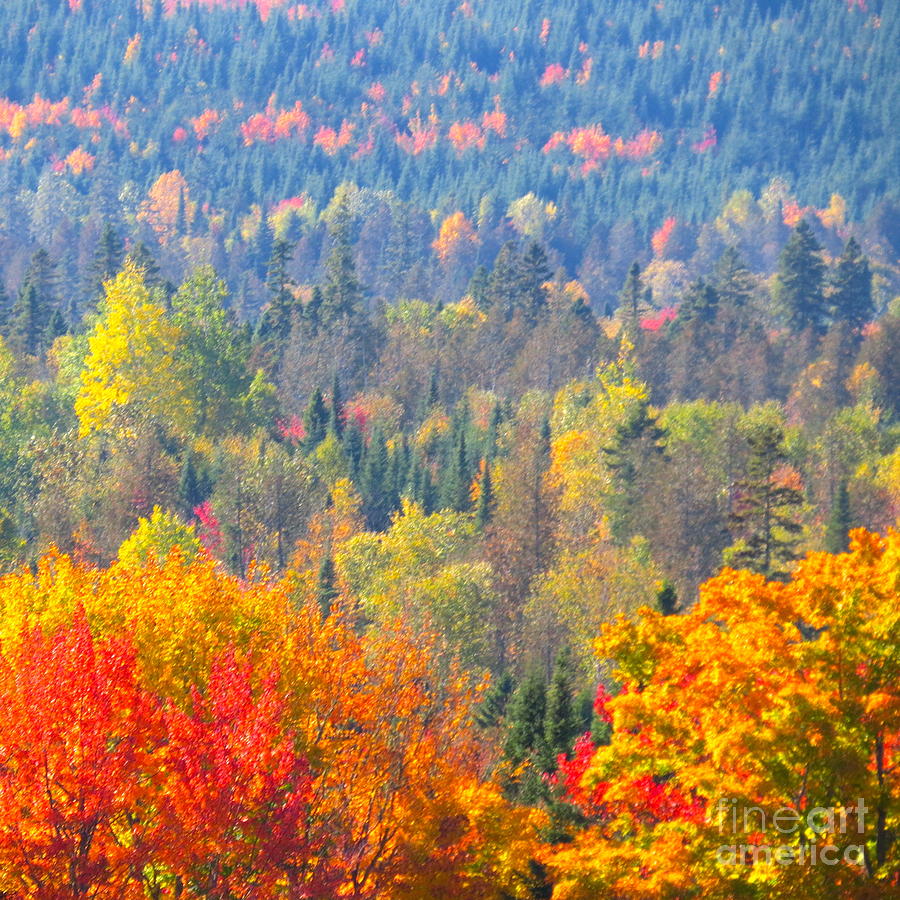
449,450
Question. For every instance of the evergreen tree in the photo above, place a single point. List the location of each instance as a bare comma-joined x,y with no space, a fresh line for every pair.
493,432
534,273
354,446
144,260
526,716
732,281
432,395
315,421
639,442
562,722
106,262
667,598
26,325
700,304
504,282
261,248
326,585
379,498
631,300
6,309
479,286
801,273
492,708
193,488
336,408
42,274
765,517
839,522
275,322
485,498
457,480
56,327
342,293
851,287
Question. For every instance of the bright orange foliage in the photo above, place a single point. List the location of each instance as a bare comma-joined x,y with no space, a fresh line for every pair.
764,697
553,74
455,233
422,136
466,135
661,236
166,725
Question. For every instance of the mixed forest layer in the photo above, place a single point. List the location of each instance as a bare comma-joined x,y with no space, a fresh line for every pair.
448,449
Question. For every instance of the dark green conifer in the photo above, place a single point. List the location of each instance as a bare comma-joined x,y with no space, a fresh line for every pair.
485,507
326,585
839,521
342,292
315,421
561,723
851,287
765,518
801,274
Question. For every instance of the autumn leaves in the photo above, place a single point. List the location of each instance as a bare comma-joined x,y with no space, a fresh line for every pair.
169,731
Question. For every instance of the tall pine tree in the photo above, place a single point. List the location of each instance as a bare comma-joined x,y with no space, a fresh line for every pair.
801,274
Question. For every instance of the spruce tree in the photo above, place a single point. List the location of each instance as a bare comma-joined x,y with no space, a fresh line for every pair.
140,256
839,521
561,722
275,323
342,292
261,248
667,598
801,274
432,395
379,498
485,498
479,286
732,281
354,446
526,714
456,480
765,518
336,408
192,490
5,309
504,282
106,262
492,708
534,273
26,325
700,304
315,421
851,287
326,585
631,299
56,327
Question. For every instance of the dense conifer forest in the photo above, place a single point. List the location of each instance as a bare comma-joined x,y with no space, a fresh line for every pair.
449,449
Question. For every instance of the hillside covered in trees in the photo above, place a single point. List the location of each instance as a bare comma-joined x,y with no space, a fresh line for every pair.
449,449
